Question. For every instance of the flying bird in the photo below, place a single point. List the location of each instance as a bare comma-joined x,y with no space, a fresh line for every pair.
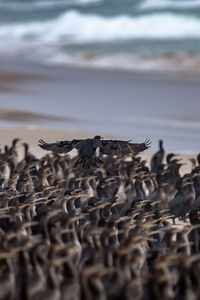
87,148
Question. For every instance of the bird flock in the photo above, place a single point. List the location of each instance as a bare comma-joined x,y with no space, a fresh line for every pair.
110,233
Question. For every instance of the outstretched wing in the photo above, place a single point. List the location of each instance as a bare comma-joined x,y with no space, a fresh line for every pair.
115,147
60,147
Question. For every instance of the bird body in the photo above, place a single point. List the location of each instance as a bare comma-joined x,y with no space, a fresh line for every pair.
88,148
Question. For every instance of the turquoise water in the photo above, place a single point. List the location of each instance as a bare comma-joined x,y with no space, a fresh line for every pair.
116,33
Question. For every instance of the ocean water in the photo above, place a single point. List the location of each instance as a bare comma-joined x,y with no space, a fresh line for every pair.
147,35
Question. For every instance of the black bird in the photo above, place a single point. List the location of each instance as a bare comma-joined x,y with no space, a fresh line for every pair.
87,147
158,157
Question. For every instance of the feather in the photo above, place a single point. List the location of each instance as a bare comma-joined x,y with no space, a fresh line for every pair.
115,147
59,147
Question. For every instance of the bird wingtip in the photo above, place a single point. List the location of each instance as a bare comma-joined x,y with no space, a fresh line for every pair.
147,143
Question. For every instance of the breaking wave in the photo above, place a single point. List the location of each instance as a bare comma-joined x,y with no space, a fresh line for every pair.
74,26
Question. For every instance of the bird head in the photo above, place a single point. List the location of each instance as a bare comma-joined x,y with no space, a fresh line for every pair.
98,137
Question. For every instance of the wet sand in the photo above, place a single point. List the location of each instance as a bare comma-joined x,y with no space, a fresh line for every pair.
9,80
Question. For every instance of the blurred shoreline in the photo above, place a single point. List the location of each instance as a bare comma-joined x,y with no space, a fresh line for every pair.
169,66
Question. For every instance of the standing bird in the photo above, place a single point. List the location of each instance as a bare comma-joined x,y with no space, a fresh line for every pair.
158,157
183,201
87,148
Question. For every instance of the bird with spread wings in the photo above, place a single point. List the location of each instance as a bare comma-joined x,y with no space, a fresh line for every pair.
87,147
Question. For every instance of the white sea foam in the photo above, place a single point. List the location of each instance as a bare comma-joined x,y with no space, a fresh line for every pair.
73,26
